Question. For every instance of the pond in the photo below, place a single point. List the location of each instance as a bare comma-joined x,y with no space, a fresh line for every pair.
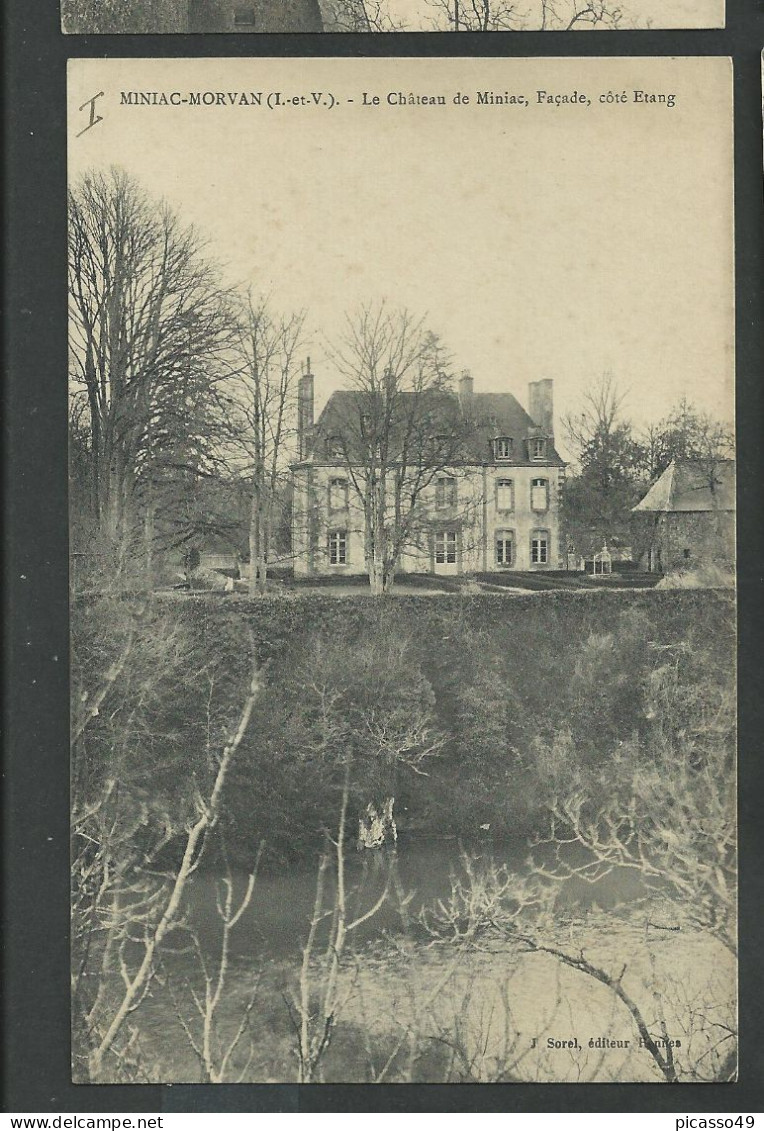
278,917
503,1004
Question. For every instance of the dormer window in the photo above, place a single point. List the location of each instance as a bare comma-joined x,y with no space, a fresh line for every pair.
502,448
334,446
366,424
537,448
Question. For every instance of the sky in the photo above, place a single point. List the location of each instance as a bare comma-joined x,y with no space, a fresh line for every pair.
561,241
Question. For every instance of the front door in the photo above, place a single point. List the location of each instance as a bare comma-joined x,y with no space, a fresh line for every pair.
446,552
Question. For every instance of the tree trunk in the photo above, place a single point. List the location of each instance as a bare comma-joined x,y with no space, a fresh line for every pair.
258,565
254,546
376,576
388,580
148,535
376,563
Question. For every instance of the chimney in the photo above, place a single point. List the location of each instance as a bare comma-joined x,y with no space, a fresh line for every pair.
305,411
466,391
541,405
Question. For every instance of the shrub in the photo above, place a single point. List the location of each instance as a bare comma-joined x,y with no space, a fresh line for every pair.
508,682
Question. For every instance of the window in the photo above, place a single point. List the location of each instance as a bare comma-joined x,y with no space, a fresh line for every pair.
502,448
505,547
338,494
445,547
445,492
504,495
442,446
334,446
537,448
338,547
243,14
539,494
367,424
540,547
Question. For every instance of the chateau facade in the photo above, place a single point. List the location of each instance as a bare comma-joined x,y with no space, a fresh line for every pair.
491,507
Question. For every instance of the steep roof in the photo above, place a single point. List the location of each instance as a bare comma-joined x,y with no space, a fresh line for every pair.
484,417
501,414
692,485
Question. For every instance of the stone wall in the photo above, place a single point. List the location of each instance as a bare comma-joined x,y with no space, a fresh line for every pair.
270,16
688,540
117,17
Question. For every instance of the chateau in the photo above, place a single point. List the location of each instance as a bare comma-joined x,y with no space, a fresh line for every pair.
489,501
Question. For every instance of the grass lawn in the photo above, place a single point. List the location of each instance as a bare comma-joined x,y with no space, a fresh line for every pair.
428,584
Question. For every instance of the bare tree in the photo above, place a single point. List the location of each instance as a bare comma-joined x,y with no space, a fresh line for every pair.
368,715
674,821
596,431
669,818
148,323
511,15
320,995
608,473
360,16
693,438
138,834
686,433
473,15
219,1048
263,418
400,430
496,911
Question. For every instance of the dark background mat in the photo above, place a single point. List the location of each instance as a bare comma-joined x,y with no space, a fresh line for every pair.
36,765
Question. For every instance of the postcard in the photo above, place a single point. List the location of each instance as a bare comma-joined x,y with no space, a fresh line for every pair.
363,16
402,513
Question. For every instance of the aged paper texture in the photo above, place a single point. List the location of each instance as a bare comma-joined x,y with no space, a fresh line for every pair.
369,16
402,534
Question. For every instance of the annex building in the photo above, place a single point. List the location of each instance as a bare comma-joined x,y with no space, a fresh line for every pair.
254,16
687,518
491,503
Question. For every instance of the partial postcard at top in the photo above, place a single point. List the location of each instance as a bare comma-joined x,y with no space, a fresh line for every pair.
402,528
315,16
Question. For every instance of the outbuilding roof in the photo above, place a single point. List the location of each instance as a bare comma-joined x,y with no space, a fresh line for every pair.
692,485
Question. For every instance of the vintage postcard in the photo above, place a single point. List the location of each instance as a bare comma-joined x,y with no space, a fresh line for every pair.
402,570
246,16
